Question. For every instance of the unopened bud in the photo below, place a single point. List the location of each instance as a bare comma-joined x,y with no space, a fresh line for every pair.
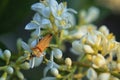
57,53
25,66
9,70
55,71
7,55
88,49
20,75
89,57
104,30
104,76
68,62
91,74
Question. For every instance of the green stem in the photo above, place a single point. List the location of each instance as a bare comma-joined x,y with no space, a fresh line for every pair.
70,75
3,67
53,45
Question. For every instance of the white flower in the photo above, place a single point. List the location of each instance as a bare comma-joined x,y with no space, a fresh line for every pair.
61,14
92,15
42,9
34,61
83,30
77,46
98,61
94,38
37,23
57,9
64,21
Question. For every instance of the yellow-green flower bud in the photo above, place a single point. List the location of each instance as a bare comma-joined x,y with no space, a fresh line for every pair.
68,62
6,55
25,66
88,49
20,75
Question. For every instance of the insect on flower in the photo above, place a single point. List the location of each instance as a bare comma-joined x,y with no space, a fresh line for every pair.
42,45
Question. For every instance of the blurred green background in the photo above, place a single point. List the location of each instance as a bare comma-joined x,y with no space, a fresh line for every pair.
15,14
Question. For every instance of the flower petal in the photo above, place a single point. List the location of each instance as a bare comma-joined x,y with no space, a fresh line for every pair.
32,62
37,18
33,43
37,6
36,33
46,12
45,21
72,10
31,26
46,70
91,74
38,61
25,46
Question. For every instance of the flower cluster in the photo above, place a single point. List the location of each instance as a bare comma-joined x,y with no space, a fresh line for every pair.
53,23
50,18
100,49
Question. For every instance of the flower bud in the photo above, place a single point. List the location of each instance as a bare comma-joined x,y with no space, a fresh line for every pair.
89,57
104,30
57,53
92,15
20,75
9,70
98,61
104,76
7,55
91,74
68,62
25,66
55,71
88,49
77,46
